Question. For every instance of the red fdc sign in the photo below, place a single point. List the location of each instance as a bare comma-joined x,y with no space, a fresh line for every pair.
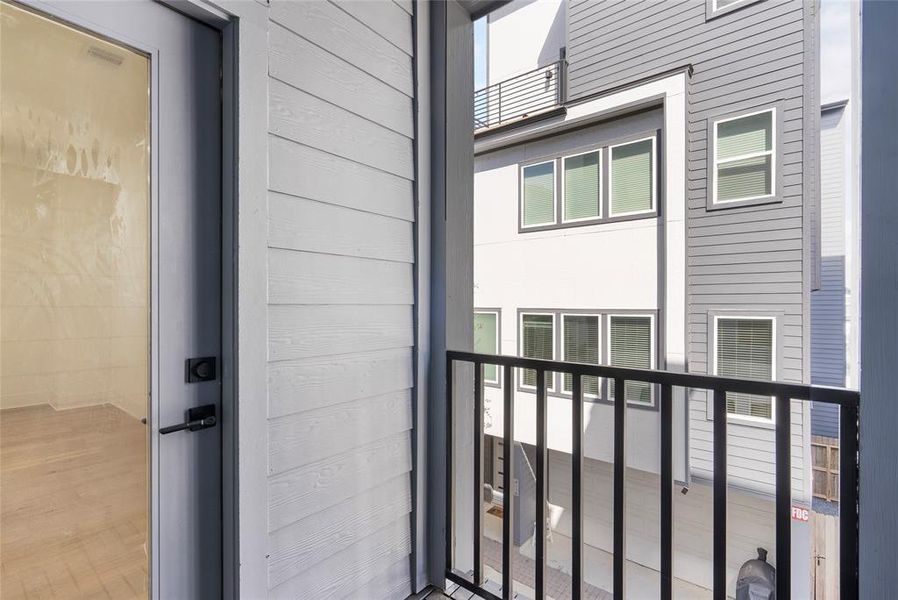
800,514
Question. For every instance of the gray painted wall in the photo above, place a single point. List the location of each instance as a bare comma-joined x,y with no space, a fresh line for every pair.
828,313
756,56
879,296
341,251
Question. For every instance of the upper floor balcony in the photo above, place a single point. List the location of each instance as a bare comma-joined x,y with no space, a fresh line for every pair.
536,92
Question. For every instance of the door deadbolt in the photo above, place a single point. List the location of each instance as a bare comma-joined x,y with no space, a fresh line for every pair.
199,369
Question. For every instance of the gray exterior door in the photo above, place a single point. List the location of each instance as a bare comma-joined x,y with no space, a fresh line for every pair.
183,241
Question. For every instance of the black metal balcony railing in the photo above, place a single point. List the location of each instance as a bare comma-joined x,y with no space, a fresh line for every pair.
847,400
521,96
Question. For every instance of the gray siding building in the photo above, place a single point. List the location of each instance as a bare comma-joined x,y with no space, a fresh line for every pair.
831,319
745,56
674,183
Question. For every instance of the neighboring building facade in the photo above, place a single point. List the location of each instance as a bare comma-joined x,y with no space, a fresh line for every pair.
835,304
665,216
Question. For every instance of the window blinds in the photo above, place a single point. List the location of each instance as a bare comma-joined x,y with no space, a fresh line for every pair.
631,177
539,194
745,350
631,346
538,341
581,344
581,186
745,157
746,178
486,336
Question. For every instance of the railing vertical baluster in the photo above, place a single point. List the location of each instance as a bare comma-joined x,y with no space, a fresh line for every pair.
666,493
783,455
450,474
499,120
620,496
508,483
720,495
540,527
562,80
848,497
478,473
577,488
557,69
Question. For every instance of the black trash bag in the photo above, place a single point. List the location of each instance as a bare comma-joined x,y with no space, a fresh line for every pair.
757,579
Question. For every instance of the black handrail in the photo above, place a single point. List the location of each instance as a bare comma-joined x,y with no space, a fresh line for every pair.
848,401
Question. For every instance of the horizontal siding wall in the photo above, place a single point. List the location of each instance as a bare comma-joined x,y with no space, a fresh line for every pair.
748,258
828,314
341,294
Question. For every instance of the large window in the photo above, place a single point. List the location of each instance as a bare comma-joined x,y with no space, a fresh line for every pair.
745,349
571,190
579,336
580,343
744,165
582,184
538,194
486,341
631,344
632,178
537,341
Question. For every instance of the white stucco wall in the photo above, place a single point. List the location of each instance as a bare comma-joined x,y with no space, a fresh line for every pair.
604,268
567,268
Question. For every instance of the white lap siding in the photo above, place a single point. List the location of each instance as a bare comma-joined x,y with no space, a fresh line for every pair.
340,298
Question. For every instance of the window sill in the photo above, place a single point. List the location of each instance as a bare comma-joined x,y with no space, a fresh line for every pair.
749,422
743,421
712,206
587,222
711,14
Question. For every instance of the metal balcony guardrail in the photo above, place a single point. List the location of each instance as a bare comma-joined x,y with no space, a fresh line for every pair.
521,96
847,400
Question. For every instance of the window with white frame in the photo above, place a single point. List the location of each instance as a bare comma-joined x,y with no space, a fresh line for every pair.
632,177
744,348
486,341
537,341
631,344
580,343
538,194
581,182
744,166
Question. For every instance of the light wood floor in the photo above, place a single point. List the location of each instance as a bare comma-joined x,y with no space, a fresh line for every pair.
73,503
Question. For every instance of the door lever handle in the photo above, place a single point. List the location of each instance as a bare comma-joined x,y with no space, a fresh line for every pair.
201,417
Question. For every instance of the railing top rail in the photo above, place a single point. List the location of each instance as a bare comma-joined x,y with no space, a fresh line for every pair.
795,391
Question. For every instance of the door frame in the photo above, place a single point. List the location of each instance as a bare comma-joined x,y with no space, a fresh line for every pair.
244,284
244,209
